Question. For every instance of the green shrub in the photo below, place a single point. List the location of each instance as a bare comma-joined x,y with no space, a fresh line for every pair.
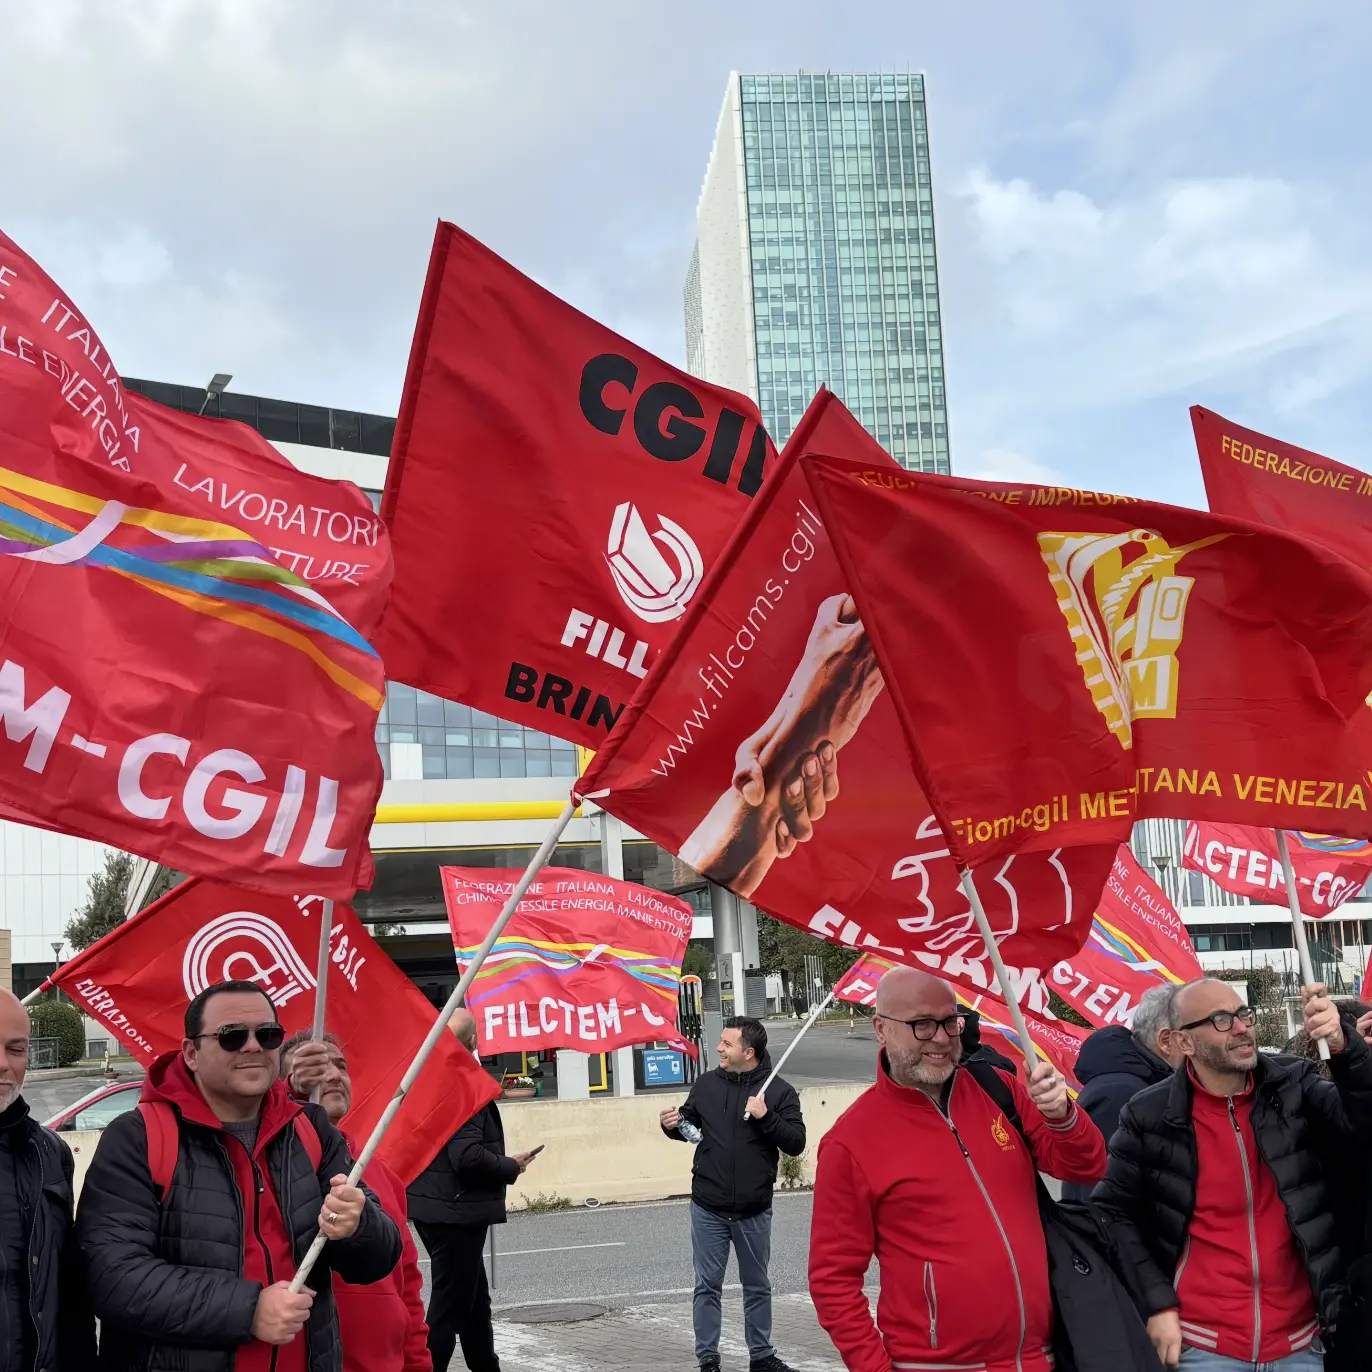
53,1019
543,1204
791,1172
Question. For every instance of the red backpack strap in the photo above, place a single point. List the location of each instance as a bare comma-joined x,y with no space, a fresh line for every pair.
309,1139
164,1142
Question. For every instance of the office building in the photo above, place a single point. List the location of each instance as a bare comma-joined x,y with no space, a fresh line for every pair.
815,259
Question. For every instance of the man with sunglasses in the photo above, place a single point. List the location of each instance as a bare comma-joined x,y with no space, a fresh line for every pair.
192,1271
1219,1180
926,1173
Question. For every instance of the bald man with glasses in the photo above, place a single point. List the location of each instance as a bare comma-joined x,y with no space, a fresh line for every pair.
926,1172
1219,1183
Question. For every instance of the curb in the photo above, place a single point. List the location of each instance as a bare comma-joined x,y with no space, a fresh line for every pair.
38,1075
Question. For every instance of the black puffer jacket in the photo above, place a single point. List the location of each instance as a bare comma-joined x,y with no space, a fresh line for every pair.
1299,1120
1113,1067
56,1331
165,1276
465,1183
974,1050
735,1165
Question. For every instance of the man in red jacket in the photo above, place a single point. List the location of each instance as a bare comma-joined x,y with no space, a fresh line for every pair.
925,1172
382,1325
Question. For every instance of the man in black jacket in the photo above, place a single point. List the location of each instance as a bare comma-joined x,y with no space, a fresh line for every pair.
1116,1063
194,1275
1218,1186
44,1320
738,1128
973,1049
453,1204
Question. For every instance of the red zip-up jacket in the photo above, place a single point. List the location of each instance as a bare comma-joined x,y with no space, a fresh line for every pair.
1242,1283
948,1205
382,1325
267,1252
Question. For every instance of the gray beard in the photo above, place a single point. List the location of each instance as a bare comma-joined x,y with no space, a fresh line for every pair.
907,1070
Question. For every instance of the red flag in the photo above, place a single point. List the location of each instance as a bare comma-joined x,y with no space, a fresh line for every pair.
1328,869
1251,476
1138,941
587,962
554,490
140,977
1066,664
1058,1041
173,680
771,665
324,532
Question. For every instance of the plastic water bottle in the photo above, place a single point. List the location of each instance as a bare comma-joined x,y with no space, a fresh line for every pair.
688,1131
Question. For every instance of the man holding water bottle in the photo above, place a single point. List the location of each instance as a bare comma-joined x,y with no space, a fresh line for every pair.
738,1125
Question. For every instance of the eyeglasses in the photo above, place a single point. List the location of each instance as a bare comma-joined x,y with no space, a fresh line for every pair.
925,1029
1222,1021
233,1038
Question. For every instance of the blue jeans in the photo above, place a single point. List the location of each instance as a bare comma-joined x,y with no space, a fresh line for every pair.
711,1236
1198,1360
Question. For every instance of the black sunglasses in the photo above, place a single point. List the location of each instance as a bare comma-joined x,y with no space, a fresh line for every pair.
233,1038
925,1029
1222,1021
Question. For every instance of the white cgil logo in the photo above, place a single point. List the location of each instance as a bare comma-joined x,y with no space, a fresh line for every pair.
245,946
651,586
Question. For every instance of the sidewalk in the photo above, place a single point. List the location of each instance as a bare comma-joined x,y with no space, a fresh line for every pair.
657,1336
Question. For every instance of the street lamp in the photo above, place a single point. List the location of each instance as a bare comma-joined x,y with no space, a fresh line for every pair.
57,957
216,388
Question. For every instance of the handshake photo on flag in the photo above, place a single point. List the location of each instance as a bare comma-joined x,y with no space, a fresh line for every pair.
786,773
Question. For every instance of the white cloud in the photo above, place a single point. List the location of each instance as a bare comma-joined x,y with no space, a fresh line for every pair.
1189,289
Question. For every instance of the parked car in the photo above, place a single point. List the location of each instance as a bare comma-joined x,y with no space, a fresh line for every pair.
97,1108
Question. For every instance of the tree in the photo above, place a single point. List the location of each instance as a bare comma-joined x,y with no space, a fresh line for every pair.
104,907
53,1019
699,961
783,948
105,896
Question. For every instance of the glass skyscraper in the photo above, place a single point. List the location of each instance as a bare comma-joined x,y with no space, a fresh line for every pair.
815,259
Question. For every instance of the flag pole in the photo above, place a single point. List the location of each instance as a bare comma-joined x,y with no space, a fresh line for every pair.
1007,989
321,985
454,1001
1293,901
791,1047
34,994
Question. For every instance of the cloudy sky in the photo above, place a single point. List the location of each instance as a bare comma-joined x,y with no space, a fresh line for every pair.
1139,205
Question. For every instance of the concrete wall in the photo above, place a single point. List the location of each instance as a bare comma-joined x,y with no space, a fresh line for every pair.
611,1149
614,1150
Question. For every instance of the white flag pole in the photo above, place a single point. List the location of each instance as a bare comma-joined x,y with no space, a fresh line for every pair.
1007,989
321,985
791,1047
440,1025
1293,901
34,994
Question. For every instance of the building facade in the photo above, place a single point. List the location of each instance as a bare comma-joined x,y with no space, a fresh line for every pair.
815,261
